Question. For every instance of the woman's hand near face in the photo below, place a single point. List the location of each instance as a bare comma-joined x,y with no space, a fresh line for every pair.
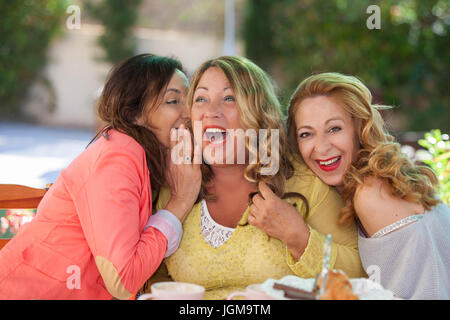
183,175
279,219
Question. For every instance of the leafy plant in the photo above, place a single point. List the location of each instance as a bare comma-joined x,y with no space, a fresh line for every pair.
437,157
118,17
405,63
26,31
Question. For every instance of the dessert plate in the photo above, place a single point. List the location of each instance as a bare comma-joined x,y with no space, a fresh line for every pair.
365,289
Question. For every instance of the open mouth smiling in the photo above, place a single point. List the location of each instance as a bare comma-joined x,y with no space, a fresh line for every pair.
214,135
329,164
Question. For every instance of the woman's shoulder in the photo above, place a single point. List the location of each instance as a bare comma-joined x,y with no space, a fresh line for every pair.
114,152
307,183
300,167
114,147
117,141
371,196
303,177
374,192
377,207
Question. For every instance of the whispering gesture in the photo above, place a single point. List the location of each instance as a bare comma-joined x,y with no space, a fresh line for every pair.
183,175
279,219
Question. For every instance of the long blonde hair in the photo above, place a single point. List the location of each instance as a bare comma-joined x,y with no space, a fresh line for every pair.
259,108
379,155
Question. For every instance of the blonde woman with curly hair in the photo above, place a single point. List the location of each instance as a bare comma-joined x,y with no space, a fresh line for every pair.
262,216
403,225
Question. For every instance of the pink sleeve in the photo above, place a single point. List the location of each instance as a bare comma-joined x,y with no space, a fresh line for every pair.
109,210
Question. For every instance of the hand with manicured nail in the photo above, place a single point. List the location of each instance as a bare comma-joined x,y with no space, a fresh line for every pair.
279,219
183,177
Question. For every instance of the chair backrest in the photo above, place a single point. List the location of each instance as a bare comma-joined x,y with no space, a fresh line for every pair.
14,196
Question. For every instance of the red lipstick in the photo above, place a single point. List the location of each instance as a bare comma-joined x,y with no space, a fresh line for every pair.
331,166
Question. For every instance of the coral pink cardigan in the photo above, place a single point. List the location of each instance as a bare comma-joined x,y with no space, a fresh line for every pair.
87,240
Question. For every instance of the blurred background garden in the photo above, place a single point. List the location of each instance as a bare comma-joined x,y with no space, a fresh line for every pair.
55,56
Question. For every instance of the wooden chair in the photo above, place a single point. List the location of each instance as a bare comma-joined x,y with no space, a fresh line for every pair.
14,196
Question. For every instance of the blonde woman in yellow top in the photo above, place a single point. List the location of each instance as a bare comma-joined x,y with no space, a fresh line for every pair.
228,241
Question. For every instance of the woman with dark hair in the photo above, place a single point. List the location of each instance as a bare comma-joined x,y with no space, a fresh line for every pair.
94,235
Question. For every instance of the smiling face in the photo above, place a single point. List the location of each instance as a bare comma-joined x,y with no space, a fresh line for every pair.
326,138
214,104
171,112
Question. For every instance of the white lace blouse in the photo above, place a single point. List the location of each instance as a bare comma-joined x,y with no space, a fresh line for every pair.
213,233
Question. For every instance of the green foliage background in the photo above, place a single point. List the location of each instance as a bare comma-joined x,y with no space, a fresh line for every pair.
26,30
438,149
405,63
118,17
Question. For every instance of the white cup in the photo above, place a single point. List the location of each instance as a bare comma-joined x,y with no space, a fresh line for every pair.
171,290
252,292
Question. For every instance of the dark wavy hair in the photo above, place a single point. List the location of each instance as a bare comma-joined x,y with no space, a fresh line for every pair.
134,87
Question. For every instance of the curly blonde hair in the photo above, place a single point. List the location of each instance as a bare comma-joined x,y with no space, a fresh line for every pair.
379,155
259,108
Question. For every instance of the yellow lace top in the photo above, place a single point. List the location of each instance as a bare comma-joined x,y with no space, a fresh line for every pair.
251,256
